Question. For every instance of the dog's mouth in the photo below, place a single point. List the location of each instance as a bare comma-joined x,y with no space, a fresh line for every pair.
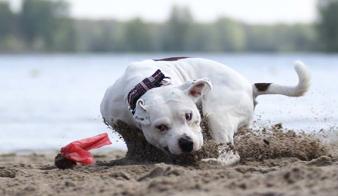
166,150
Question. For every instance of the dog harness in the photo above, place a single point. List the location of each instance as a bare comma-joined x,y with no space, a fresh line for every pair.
155,80
176,58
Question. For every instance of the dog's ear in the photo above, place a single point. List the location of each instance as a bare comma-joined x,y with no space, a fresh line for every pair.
197,88
141,116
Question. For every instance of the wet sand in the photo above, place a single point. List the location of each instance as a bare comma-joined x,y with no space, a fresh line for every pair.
291,167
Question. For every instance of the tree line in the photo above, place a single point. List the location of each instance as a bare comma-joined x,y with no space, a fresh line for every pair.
46,26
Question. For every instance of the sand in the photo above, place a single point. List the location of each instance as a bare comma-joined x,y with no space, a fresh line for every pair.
274,162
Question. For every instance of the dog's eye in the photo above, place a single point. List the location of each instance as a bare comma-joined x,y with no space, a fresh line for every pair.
188,116
162,127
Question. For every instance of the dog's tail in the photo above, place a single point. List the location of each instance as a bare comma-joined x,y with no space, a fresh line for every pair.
292,91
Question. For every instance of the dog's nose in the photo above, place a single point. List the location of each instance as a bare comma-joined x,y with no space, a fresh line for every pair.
186,143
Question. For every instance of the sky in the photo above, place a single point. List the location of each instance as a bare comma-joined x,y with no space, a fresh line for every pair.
251,11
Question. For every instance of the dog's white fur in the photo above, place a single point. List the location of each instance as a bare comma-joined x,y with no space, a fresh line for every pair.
227,99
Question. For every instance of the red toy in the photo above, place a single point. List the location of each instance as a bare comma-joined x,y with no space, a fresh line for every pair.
78,151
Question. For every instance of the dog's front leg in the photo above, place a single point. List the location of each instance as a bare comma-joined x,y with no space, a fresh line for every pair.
227,156
222,129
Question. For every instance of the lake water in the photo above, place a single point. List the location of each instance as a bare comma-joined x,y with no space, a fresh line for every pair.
47,101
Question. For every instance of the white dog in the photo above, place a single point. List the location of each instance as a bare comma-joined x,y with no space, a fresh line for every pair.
159,97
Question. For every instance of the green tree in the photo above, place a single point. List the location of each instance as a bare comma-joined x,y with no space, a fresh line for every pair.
64,38
201,38
177,28
328,24
260,38
6,19
44,20
101,35
137,36
302,37
230,35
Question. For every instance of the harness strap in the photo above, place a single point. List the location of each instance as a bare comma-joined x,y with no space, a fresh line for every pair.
155,80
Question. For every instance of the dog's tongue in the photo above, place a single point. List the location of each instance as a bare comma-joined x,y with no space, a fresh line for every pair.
78,151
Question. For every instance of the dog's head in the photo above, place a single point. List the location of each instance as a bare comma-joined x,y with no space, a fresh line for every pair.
169,117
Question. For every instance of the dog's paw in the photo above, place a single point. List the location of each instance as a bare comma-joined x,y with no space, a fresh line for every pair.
229,161
211,161
229,158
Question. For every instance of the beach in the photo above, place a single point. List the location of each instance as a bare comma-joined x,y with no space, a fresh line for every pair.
47,105
81,114
35,174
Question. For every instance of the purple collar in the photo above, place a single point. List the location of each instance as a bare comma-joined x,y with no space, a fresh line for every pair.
155,80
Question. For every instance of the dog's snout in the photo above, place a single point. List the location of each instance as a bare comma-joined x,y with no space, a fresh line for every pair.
186,144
